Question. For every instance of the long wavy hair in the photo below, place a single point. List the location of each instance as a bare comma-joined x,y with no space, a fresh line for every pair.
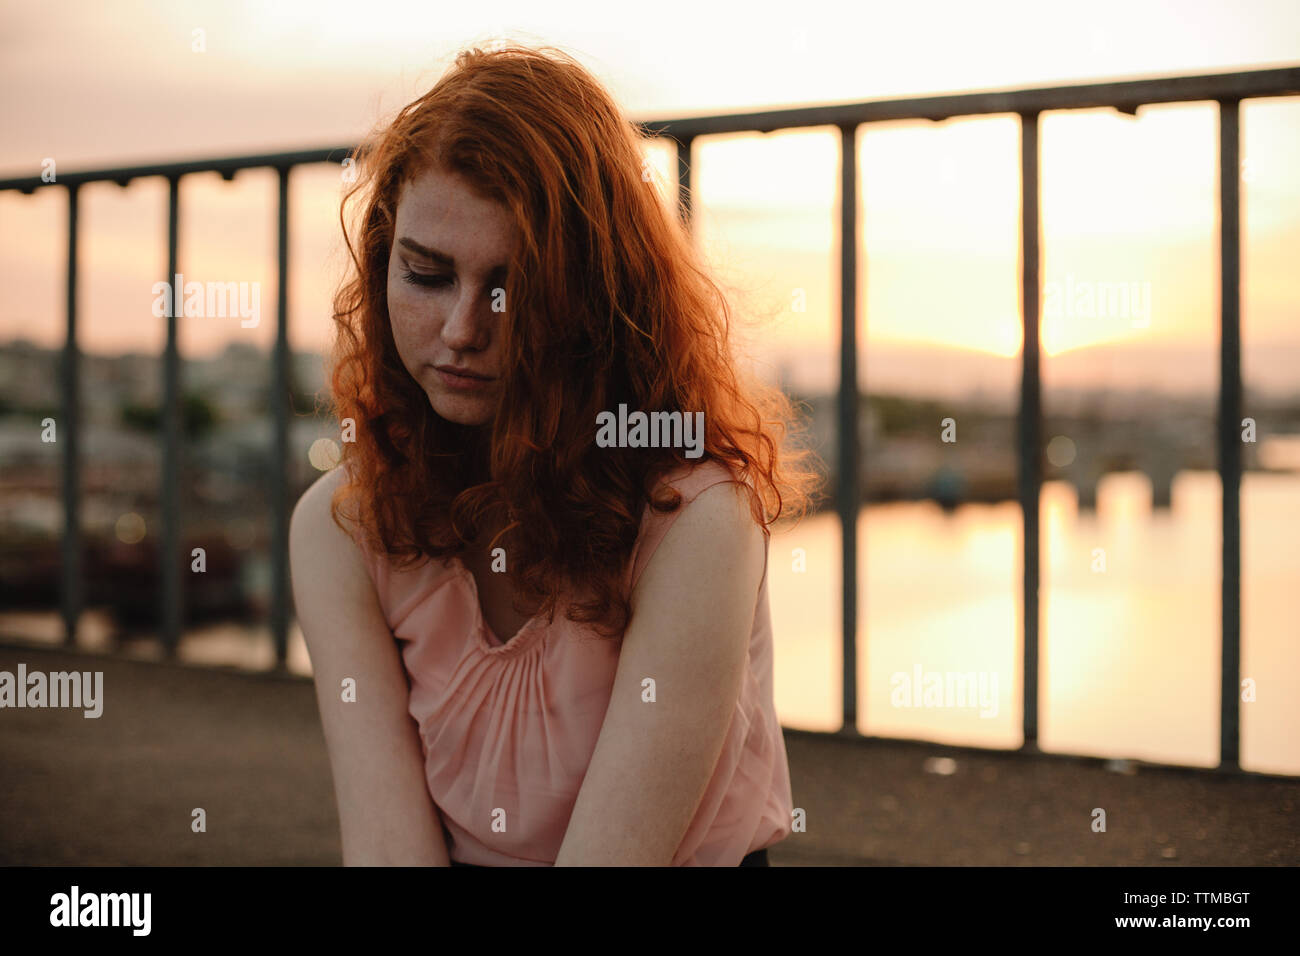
607,301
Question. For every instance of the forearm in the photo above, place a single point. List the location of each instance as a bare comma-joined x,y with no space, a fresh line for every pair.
412,843
386,815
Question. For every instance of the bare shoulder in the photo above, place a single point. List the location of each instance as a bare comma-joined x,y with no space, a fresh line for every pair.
714,542
722,509
315,539
316,499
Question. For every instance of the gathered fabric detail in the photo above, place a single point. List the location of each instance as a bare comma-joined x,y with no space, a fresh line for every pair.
508,730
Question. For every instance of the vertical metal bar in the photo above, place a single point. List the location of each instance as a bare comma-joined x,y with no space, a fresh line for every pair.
684,177
1030,467
279,477
848,491
170,555
71,412
1230,410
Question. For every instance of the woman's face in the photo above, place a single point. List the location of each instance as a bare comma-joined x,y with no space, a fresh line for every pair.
446,269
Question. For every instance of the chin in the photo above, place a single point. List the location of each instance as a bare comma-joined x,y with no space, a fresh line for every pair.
461,411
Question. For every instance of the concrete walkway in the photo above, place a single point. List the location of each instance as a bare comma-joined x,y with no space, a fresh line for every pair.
248,749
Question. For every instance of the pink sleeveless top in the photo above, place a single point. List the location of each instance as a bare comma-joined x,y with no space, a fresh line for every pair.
513,726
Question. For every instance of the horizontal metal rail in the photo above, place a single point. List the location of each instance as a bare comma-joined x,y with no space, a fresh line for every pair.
1225,89
1125,96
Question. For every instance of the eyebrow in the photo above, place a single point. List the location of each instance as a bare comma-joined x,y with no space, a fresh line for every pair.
440,257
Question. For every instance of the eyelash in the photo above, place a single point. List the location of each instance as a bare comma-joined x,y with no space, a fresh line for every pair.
427,281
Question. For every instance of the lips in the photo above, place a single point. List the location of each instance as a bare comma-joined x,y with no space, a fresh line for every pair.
463,372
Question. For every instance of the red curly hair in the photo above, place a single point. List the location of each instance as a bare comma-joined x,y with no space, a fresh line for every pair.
609,304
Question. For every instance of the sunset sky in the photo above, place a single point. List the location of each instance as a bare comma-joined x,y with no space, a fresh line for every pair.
1126,201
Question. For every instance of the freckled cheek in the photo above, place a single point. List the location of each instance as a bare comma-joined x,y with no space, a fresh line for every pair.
413,323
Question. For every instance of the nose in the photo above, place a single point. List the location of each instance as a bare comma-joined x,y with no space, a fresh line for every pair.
468,328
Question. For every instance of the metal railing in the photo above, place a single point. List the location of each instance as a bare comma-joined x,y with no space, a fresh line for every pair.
1227,90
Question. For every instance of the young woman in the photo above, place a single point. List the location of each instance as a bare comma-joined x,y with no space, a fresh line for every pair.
535,590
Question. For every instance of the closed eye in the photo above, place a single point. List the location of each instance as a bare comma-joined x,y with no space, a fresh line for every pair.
427,279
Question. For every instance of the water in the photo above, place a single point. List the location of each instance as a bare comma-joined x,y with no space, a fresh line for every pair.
1129,654
1129,635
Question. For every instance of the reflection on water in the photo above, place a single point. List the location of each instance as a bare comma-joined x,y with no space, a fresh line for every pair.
235,645
1129,647
1130,628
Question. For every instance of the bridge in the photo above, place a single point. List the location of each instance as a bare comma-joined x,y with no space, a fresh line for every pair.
1227,91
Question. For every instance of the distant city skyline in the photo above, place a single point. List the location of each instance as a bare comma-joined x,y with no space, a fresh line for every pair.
1128,203
1187,372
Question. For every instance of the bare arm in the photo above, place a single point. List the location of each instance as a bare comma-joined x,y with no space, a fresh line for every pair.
386,815
693,610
